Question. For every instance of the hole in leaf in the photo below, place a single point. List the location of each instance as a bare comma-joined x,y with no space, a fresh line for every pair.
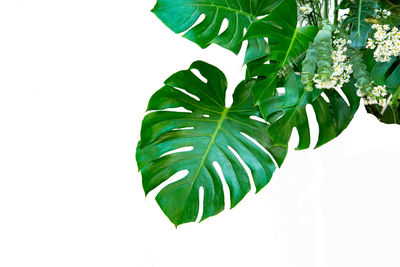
188,94
172,179
201,204
248,171
227,198
260,146
280,90
294,139
198,74
256,118
184,128
341,93
178,109
313,124
224,26
182,149
206,116
199,20
325,98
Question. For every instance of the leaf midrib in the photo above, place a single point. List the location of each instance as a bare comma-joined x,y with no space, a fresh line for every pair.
208,149
283,62
359,18
294,36
211,143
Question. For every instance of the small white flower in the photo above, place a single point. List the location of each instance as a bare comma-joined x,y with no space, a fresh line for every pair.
306,9
382,13
341,68
386,42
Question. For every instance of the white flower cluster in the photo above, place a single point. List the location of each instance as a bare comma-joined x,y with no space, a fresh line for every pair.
376,96
342,18
382,13
306,9
386,41
341,68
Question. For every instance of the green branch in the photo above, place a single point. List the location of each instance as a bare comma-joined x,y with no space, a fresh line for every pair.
326,9
336,12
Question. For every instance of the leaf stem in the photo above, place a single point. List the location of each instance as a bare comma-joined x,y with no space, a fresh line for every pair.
391,100
326,9
336,12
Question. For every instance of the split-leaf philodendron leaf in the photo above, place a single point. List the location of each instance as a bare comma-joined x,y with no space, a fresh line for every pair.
302,56
360,28
288,111
228,136
287,43
181,15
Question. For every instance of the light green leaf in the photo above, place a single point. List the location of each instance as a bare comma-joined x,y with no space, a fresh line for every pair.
228,136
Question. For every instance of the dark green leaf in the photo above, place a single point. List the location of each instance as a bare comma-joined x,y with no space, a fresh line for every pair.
386,73
287,43
216,131
359,27
288,111
181,15
394,7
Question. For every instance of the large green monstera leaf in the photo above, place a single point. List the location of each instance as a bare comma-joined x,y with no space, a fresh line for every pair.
288,111
287,44
213,134
181,15
388,74
359,27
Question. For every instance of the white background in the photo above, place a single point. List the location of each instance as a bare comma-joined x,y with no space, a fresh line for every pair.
75,78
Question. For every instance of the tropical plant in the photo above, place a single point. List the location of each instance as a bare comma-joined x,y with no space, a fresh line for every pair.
328,55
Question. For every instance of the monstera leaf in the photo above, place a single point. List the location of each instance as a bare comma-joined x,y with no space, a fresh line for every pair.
287,43
359,27
388,74
288,111
213,134
181,15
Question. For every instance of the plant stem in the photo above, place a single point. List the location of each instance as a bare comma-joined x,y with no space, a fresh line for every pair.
316,6
392,99
336,12
326,9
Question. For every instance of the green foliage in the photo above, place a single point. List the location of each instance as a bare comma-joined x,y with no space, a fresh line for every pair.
360,10
394,7
323,44
288,111
390,114
181,15
291,58
360,72
287,43
388,74
308,68
219,134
